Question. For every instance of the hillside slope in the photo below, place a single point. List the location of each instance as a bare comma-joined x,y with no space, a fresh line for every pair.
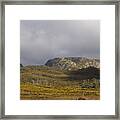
53,81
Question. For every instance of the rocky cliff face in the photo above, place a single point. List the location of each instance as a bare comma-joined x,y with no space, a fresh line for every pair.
73,63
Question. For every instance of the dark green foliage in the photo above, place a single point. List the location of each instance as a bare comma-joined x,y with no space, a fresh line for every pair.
21,65
85,73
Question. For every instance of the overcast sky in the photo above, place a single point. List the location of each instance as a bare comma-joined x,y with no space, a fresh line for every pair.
41,40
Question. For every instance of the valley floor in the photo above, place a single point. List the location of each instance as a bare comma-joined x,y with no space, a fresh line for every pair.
39,92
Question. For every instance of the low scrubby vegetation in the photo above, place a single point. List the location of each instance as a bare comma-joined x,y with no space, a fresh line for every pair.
47,83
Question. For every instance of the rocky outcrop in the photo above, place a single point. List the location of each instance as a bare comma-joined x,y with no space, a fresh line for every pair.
73,63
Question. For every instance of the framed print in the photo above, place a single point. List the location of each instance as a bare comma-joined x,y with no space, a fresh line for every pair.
60,60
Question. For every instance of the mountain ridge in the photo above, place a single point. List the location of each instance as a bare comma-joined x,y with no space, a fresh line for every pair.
73,63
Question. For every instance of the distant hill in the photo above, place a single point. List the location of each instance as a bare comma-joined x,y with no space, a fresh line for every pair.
73,63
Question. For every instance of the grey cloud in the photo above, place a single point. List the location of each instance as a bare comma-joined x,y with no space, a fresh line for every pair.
41,40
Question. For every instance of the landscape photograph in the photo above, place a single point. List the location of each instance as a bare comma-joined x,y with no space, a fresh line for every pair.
59,60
